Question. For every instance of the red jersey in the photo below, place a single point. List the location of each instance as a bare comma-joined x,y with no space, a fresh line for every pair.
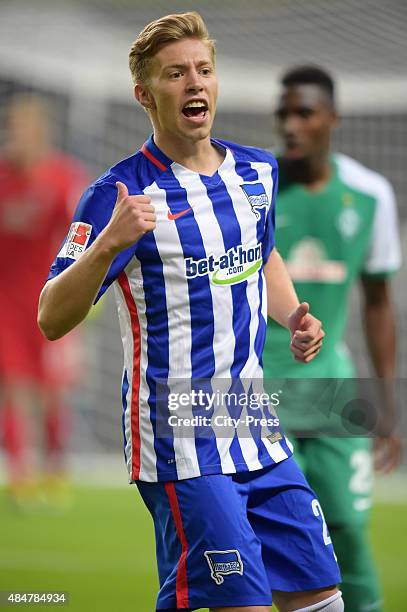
36,206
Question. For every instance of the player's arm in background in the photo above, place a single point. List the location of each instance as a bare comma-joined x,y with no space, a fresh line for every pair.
282,302
66,299
380,325
283,306
380,321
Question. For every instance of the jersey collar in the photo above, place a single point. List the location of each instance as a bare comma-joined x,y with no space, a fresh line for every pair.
161,161
155,155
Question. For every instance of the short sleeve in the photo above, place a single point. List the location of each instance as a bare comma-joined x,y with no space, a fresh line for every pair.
384,252
93,213
270,227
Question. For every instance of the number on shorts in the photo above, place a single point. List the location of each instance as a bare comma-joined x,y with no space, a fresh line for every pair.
361,481
317,510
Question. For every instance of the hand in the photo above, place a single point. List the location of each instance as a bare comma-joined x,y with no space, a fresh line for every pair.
133,216
306,334
387,453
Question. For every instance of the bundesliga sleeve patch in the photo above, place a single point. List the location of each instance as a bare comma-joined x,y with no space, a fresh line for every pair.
77,240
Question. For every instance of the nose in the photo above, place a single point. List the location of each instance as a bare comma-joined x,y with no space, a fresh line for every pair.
194,83
290,124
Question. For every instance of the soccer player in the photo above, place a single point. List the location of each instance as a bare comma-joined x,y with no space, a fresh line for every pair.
184,229
336,224
39,186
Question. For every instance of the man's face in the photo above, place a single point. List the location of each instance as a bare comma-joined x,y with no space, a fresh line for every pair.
182,90
305,118
26,126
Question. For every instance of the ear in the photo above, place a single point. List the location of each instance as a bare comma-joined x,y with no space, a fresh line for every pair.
144,96
335,119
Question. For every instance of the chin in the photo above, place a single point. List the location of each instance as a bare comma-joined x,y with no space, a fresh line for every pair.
294,157
297,161
201,133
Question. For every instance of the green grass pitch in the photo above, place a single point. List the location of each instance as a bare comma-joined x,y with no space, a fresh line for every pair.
102,552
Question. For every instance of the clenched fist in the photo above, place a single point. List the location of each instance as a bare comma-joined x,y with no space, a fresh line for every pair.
133,216
306,334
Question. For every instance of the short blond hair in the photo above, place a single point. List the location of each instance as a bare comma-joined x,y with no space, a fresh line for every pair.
161,32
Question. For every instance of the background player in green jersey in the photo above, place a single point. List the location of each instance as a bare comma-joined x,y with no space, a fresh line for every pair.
336,224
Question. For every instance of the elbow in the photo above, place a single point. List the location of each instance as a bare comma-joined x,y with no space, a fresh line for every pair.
46,328
46,325
44,321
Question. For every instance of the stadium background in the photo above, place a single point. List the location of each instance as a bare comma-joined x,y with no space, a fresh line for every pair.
75,54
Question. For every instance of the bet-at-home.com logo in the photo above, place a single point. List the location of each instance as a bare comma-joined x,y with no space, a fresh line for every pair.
234,266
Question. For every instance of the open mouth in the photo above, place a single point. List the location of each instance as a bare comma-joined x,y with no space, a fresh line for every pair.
195,109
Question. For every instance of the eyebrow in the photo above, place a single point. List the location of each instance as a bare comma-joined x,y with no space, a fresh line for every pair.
179,66
297,109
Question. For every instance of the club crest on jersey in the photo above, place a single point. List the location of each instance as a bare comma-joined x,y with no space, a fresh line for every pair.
256,196
77,240
348,223
222,563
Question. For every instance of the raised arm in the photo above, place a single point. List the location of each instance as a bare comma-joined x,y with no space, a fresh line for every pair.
283,306
66,300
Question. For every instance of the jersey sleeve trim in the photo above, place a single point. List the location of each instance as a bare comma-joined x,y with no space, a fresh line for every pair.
380,274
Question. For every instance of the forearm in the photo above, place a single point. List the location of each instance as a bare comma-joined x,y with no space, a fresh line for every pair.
380,326
66,300
282,299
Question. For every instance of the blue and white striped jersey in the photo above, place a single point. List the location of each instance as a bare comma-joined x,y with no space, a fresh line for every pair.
191,299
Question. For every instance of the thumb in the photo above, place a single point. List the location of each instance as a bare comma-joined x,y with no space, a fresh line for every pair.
296,317
122,191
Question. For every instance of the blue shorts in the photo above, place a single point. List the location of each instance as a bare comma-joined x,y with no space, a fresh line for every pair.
230,540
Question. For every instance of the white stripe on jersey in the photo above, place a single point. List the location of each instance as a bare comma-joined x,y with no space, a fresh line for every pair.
128,347
251,369
275,450
147,455
223,338
178,321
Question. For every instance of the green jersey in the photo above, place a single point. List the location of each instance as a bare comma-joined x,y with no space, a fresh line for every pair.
328,239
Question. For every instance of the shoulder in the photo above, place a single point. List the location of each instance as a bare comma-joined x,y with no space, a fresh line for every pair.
128,171
358,177
99,198
249,154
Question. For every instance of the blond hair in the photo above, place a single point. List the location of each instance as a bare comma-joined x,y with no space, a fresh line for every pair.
161,32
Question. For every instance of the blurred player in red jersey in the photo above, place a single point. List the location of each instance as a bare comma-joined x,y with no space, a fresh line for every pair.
39,186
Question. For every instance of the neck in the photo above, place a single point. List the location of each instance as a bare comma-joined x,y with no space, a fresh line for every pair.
199,156
312,172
